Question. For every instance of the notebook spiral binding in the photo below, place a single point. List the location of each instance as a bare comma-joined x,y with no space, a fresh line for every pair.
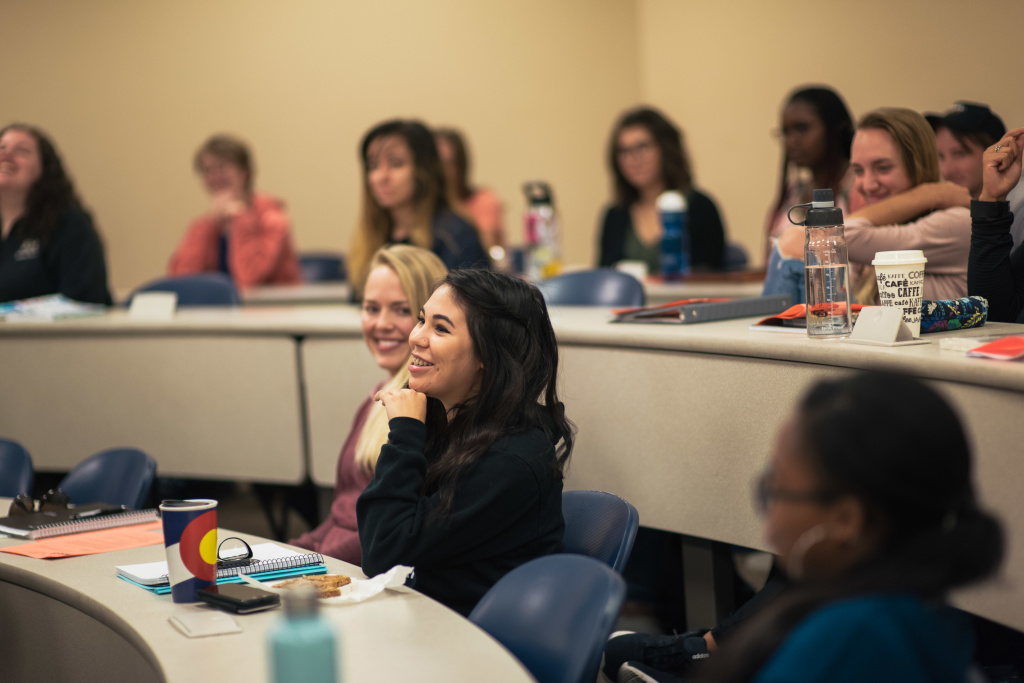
260,566
77,526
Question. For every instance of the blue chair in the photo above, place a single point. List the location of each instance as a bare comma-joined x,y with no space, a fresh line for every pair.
322,266
554,614
601,287
735,257
205,289
16,472
599,525
118,476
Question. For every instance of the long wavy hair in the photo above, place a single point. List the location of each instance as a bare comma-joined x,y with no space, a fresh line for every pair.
463,189
418,270
513,339
831,110
675,162
430,197
51,195
914,479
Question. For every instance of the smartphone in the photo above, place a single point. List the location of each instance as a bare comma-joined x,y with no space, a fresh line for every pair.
239,598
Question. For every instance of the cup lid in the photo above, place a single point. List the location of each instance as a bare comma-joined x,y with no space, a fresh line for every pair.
899,258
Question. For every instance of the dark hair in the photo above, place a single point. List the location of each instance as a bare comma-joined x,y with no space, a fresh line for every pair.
513,339
914,479
830,108
675,163
979,138
51,195
430,198
462,190
229,149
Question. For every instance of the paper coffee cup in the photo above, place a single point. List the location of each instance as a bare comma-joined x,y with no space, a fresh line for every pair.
190,539
900,276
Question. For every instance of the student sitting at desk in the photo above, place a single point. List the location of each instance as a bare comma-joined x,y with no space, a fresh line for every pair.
995,273
245,234
874,529
405,199
400,281
48,244
647,157
896,173
469,485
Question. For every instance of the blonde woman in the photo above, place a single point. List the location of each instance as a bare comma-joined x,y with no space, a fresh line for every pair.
896,173
405,200
400,280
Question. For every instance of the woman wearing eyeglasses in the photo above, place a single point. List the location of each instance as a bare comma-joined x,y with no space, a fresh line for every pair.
647,157
874,529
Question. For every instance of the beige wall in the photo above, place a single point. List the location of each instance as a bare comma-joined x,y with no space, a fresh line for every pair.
722,70
129,89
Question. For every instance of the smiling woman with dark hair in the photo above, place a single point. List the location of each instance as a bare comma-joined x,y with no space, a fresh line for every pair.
48,244
469,485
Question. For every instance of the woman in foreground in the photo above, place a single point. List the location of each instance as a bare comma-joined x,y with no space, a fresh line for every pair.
401,278
874,529
469,485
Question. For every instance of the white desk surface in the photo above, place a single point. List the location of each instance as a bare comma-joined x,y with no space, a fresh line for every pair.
72,620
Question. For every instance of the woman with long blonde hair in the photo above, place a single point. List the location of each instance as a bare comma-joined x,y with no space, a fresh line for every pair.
400,280
405,200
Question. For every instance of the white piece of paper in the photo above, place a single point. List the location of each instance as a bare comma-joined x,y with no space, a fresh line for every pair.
359,590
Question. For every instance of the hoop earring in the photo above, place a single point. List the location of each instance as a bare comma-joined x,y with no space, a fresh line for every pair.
807,540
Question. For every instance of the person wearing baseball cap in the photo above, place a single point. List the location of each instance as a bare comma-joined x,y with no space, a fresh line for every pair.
962,133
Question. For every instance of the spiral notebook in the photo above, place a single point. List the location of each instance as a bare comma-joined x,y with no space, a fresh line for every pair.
91,517
267,558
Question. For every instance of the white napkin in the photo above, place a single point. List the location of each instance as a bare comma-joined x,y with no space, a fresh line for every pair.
357,591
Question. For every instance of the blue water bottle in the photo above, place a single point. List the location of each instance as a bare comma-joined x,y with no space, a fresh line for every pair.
302,643
675,236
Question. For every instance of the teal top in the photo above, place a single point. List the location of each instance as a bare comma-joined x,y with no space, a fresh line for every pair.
879,638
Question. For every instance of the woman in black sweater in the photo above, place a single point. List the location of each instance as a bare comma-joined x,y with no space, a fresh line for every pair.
993,271
647,157
469,485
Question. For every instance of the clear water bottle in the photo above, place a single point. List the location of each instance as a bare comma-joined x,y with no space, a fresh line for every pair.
826,268
544,256
302,642
675,235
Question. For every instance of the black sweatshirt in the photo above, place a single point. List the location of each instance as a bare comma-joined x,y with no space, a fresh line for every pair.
70,262
992,271
507,511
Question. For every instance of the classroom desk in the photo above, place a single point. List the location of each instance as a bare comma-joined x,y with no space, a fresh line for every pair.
314,293
676,419
215,393
73,620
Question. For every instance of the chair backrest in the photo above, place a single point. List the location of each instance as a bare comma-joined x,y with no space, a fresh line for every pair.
735,257
600,525
601,287
322,266
16,472
554,614
205,289
119,476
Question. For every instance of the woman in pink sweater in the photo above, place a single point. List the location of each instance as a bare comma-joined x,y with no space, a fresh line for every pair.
245,234
400,281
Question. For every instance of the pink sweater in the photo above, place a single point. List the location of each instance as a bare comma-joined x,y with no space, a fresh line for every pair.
260,249
944,237
338,535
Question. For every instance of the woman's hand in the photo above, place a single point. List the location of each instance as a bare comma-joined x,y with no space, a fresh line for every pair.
1000,167
791,242
226,205
945,194
403,403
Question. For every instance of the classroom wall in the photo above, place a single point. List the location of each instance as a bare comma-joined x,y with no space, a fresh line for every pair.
129,90
723,69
